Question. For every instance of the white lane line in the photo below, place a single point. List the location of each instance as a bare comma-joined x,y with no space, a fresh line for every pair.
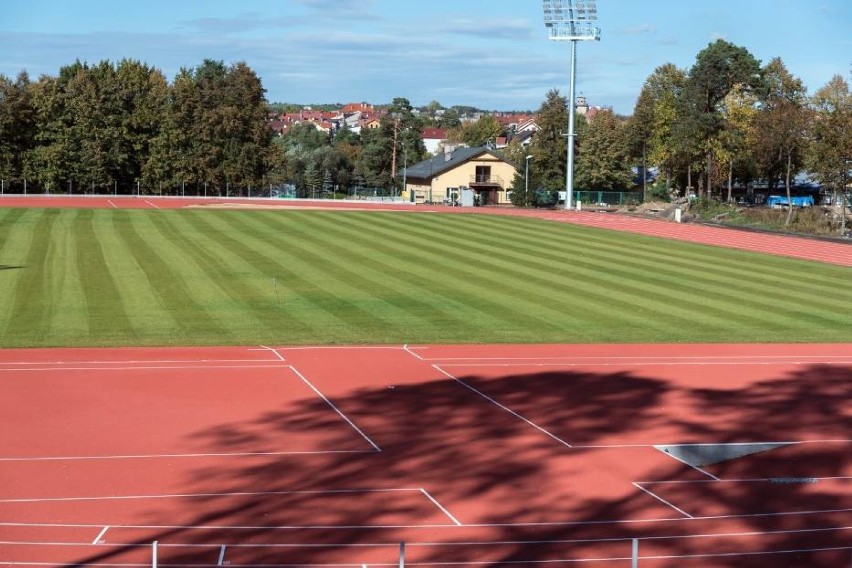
475,525
660,499
160,456
659,364
274,352
507,409
221,560
143,368
100,535
135,362
337,410
746,480
208,495
695,467
650,358
655,444
411,352
441,507
113,205
154,205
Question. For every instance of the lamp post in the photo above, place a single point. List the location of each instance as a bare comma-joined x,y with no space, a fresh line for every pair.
527,176
571,20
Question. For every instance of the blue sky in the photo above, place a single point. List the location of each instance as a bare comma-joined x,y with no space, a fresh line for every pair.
492,54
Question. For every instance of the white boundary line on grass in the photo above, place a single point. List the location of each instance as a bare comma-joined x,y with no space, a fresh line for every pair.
506,408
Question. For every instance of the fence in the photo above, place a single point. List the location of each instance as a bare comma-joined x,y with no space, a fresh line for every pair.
607,198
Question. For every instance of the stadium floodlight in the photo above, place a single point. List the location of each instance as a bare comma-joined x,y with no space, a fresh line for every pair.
571,20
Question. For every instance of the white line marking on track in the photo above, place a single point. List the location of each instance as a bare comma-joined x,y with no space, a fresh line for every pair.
411,352
100,535
337,410
696,468
113,205
135,362
154,205
441,507
146,367
654,364
475,525
660,499
221,560
507,409
743,480
652,358
208,495
275,352
160,456
654,444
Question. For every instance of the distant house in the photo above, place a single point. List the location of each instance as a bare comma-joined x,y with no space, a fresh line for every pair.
432,138
442,177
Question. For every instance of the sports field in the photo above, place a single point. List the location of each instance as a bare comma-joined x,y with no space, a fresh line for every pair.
112,277
670,446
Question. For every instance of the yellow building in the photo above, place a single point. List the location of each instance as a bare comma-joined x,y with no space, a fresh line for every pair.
441,178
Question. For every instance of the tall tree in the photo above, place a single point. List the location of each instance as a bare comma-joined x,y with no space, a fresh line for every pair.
548,147
604,162
717,69
780,125
831,147
17,126
735,140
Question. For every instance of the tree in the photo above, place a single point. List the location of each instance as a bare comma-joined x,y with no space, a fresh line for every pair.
718,68
603,162
780,125
548,147
478,133
735,141
17,125
831,145
638,133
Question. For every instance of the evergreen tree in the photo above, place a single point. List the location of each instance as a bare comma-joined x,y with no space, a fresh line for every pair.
549,147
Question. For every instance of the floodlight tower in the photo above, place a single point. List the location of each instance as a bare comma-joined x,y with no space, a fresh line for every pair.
571,20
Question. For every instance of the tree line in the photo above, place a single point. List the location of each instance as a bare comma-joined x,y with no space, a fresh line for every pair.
121,126
723,123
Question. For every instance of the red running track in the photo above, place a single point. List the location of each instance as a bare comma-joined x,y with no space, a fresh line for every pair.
475,455
780,245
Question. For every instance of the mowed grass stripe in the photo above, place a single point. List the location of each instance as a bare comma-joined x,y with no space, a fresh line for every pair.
149,316
66,282
29,321
301,293
331,287
103,306
693,287
735,263
168,276
18,229
514,289
367,272
248,287
634,293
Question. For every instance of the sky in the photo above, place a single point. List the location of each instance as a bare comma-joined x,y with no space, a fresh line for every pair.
491,54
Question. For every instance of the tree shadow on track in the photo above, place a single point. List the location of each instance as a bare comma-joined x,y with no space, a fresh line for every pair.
494,470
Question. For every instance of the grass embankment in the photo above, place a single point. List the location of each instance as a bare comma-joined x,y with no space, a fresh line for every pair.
122,277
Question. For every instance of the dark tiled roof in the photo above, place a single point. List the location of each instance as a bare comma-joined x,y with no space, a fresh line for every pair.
439,164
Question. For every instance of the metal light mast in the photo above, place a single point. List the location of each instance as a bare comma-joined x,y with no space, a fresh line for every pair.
571,20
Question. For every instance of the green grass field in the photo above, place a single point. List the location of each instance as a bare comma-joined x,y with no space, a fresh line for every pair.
143,277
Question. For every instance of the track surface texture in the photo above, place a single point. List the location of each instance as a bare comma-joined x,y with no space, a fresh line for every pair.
781,245
500,455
